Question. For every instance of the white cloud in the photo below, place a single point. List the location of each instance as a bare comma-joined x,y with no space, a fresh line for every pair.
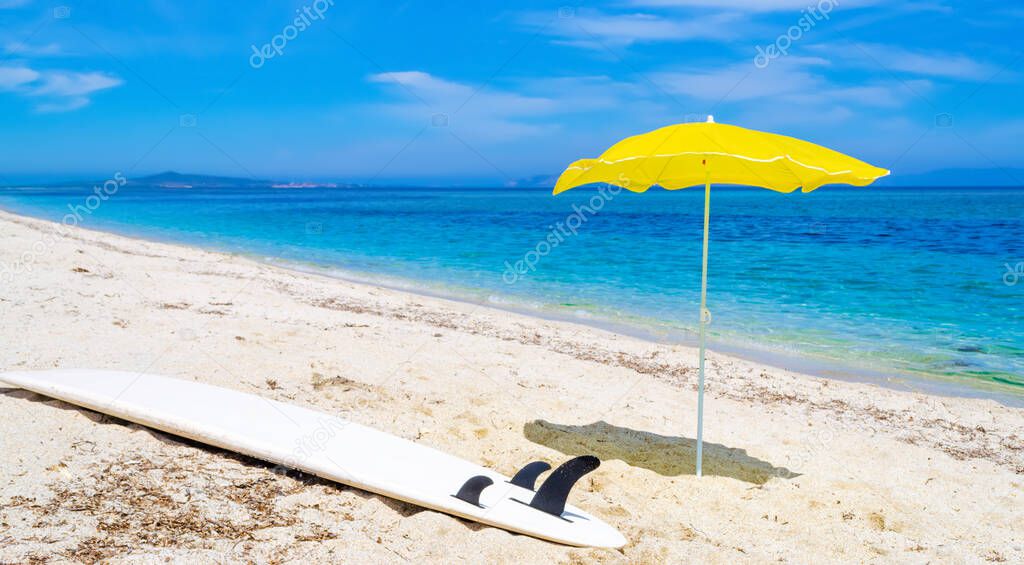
12,48
55,90
765,6
507,125
793,81
530,124
64,105
899,59
529,97
12,78
756,5
63,83
420,81
597,30
485,114
449,96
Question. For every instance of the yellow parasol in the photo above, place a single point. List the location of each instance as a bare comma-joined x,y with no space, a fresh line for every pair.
685,155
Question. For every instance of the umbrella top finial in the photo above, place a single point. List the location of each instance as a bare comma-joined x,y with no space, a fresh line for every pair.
711,119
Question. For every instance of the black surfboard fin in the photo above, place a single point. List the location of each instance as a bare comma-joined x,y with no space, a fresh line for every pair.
551,495
527,476
471,489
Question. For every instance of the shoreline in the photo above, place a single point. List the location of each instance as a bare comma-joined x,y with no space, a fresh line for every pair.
905,381
798,467
783,359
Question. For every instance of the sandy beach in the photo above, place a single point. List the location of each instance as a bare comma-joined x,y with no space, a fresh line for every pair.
799,468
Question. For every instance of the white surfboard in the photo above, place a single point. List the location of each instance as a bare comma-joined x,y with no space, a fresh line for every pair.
329,447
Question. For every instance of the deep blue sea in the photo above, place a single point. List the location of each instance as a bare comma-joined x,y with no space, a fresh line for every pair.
925,282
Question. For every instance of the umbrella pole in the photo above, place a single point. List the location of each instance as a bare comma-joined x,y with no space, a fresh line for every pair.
704,315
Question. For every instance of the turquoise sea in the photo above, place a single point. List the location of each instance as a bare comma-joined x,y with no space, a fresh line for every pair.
923,283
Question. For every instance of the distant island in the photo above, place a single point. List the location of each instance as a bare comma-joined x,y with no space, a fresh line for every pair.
172,179
176,180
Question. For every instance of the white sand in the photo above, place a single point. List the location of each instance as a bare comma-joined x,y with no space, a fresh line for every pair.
800,468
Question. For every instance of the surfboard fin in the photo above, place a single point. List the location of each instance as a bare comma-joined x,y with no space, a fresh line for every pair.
551,495
527,476
471,489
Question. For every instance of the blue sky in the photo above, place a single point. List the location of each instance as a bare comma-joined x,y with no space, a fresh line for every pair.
489,92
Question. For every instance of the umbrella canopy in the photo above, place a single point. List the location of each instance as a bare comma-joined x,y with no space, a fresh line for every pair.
675,157
692,154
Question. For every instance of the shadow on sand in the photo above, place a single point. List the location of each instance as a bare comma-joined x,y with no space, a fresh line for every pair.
665,455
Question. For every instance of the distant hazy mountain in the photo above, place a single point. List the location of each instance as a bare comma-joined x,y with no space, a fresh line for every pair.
536,181
171,179
942,177
958,177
